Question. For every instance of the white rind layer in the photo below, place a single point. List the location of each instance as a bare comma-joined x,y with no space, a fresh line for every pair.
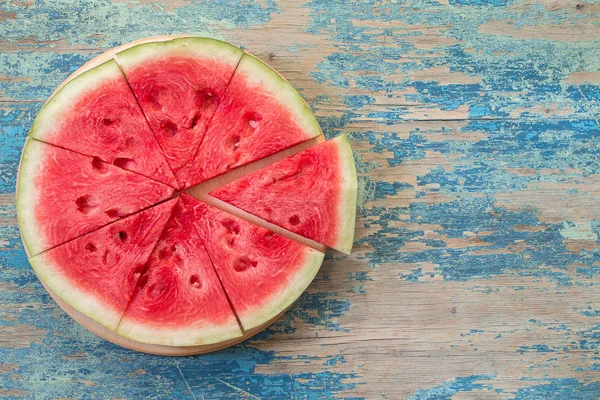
187,336
197,47
287,296
61,102
69,291
348,186
263,78
28,197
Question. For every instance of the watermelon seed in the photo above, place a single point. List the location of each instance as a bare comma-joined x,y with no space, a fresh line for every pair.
205,100
169,128
294,220
231,226
90,247
123,236
143,280
86,204
243,263
125,163
195,281
152,98
113,213
163,253
195,121
99,165
234,141
108,121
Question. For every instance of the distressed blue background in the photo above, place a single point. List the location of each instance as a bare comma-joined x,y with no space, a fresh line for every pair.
476,266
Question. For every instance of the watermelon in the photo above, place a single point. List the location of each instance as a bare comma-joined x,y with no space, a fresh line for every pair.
96,114
180,301
97,273
103,160
62,194
262,273
259,114
312,193
179,84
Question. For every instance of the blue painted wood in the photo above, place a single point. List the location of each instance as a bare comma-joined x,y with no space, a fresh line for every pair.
475,271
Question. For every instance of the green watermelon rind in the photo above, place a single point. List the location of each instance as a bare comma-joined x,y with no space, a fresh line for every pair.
348,194
28,197
72,295
261,76
282,300
190,46
170,336
61,102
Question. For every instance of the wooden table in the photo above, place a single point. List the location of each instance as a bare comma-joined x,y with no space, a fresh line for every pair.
476,269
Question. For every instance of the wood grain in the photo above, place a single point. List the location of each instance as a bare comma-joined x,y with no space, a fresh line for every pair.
475,269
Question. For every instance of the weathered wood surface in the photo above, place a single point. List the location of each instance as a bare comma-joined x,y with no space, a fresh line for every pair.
476,269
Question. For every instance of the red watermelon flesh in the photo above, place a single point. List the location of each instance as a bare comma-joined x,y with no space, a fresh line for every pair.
263,273
180,301
97,273
97,115
312,193
63,194
179,84
260,114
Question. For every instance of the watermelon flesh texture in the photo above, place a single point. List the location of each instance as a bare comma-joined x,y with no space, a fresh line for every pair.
262,273
97,115
179,84
63,194
180,301
97,273
312,193
260,114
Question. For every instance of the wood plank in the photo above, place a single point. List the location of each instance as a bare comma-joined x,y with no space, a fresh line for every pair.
475,268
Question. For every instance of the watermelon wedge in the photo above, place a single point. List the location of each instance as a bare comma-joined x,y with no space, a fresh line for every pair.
259,114
62,194
179,84
96,114
180,301
97,273
263,273
312,193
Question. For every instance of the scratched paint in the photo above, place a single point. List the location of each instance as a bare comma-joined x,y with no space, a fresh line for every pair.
526,129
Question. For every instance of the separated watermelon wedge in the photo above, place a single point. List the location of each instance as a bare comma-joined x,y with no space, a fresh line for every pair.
97,273
179,84
62,195
179,301
262,272
312,193
96,114
259,114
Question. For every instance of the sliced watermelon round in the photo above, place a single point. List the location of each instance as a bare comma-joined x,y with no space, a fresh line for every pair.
260,114
97,273
180,301
262,272
62,194
108,146
179,84
312,193
97,115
